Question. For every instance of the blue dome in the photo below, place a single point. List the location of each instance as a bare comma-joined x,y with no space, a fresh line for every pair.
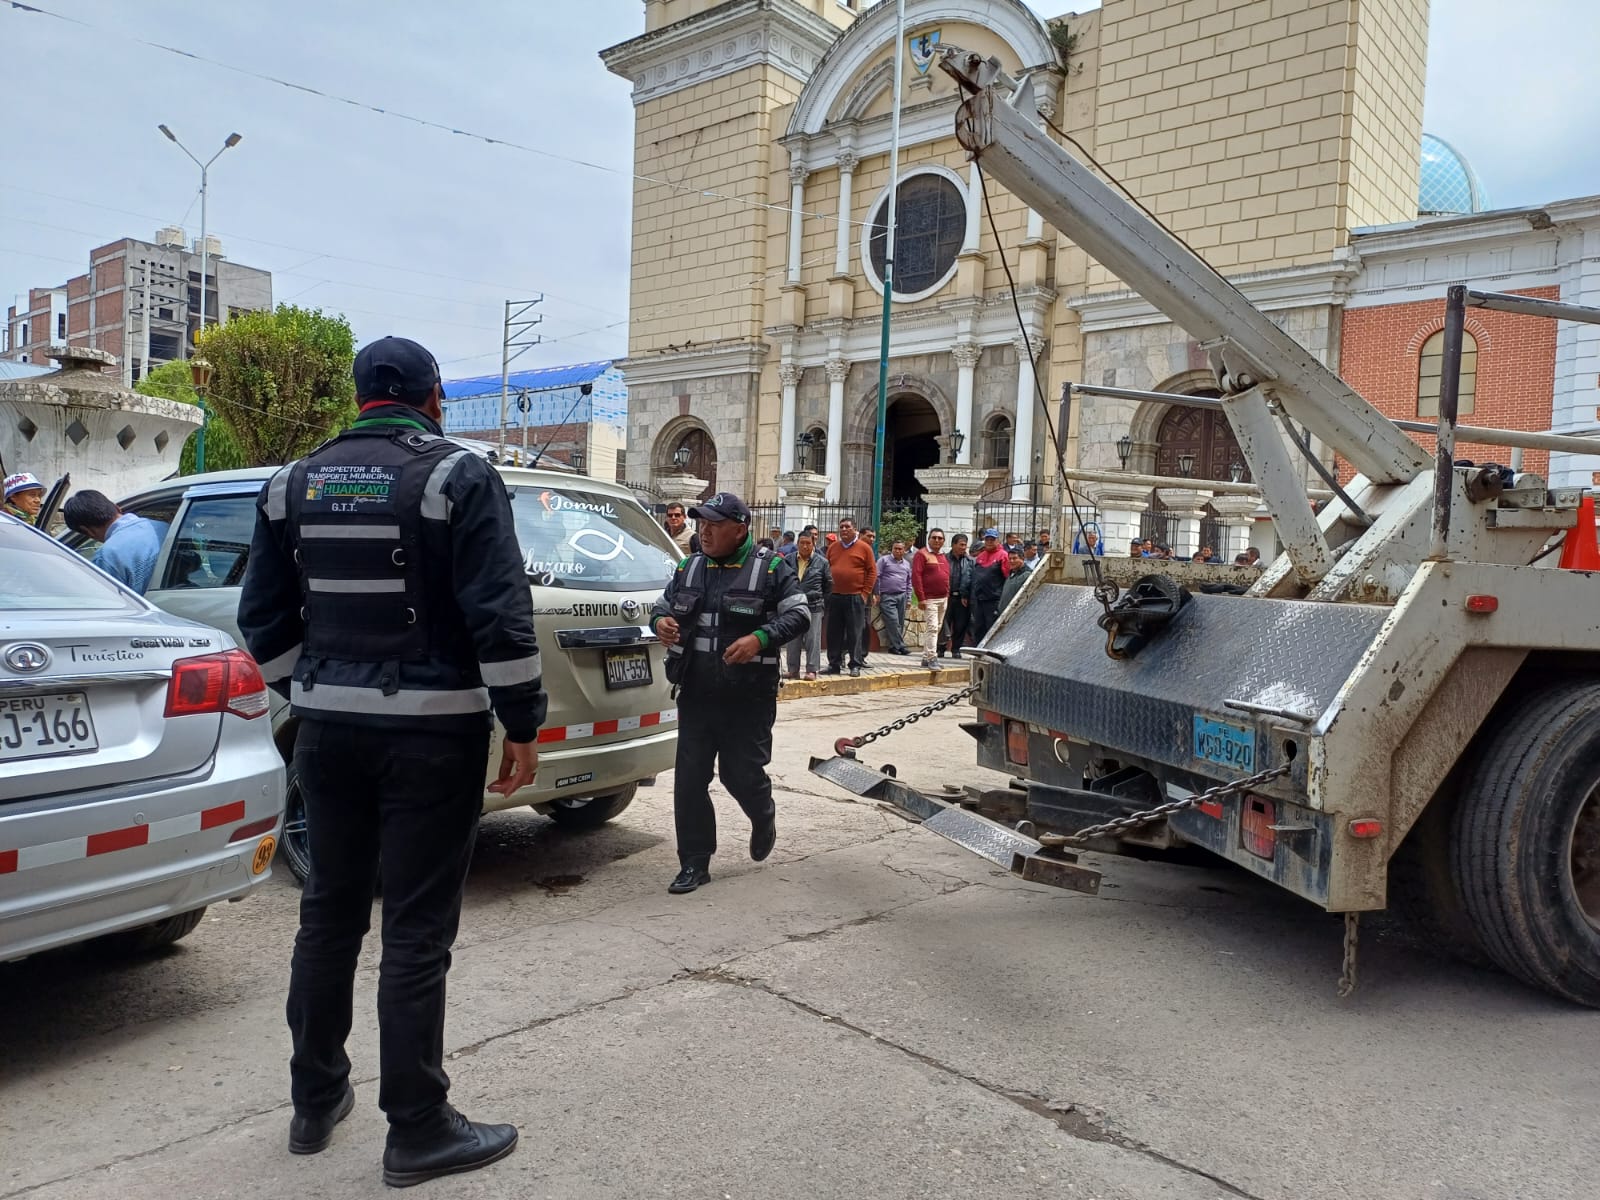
1449,184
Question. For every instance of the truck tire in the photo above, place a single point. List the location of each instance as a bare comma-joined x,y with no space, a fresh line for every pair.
1423,890
593,812
154,935
1525,842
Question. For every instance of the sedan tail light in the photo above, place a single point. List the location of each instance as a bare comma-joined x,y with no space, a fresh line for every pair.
229,682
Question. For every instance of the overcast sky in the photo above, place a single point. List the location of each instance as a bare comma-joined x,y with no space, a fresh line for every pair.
412,230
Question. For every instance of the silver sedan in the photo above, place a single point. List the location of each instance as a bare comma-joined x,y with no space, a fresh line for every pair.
138,778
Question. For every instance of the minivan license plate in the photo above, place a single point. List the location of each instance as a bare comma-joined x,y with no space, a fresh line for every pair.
627,668
1225,745
42,726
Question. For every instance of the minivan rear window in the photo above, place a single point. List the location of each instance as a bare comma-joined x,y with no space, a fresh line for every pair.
590,540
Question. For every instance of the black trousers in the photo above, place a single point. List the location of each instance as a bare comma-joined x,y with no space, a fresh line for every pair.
957,620
730,732
847,628
414,798
984,614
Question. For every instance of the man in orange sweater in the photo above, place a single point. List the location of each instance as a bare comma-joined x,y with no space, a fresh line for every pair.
855,574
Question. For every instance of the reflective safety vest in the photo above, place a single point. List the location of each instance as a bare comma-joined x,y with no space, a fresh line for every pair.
371,545
714,608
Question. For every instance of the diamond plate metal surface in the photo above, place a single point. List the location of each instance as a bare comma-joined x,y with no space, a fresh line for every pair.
1286,654
850,775
981,836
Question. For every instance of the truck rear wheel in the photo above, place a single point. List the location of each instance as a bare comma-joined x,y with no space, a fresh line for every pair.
1525,842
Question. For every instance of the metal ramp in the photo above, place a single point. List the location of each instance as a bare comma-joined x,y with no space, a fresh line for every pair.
1015,851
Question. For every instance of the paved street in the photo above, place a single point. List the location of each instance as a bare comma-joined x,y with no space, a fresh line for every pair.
873,1013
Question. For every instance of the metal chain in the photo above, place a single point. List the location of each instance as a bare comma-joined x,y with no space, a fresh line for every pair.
1352,927
912,718
1150,815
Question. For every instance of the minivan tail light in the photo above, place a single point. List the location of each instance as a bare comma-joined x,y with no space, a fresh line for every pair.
229,682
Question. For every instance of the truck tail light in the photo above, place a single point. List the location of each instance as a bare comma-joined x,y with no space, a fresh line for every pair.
1256,832
992,718
1017,743
1482,604
229,682
1366,827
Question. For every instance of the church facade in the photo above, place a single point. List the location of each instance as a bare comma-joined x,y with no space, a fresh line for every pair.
1268,134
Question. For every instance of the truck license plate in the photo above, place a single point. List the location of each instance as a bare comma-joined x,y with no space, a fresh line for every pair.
42,726
1225,745
627,668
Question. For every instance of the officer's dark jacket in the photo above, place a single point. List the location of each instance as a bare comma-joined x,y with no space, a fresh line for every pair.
753,592
961,576
386,588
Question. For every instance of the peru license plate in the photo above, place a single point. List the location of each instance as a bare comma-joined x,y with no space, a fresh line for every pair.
627,668
1225,745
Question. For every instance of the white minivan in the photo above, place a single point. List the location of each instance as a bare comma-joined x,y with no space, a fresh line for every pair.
595,560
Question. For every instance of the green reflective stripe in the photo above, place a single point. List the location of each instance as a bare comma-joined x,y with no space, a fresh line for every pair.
763,638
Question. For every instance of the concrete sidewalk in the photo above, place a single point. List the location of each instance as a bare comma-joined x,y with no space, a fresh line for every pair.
882,672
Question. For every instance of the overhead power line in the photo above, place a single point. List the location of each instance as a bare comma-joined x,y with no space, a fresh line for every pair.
424,122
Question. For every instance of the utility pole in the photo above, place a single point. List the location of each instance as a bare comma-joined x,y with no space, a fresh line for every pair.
888,266
516,340
523,406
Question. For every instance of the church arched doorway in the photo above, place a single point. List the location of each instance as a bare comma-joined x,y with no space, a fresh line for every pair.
696,455
910,442
1198,444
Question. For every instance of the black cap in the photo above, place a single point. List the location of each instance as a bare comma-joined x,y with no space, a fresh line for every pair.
395,367
724,506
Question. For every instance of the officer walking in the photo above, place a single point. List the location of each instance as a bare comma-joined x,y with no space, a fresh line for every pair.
386,596
725,613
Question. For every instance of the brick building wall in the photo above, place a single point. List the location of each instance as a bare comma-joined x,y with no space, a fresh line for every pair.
1516,369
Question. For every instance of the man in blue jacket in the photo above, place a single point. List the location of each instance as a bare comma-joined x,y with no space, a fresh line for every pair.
130,544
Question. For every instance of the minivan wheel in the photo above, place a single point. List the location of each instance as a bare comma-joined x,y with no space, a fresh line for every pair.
294,847
593,812
154,935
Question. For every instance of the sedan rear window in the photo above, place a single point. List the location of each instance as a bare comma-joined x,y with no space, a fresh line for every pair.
590,540
40,575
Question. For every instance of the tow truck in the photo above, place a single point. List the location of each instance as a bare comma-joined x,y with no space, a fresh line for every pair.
1402,708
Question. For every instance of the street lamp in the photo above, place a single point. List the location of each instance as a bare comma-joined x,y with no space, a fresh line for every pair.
1186,465
1124,449
576,460
957,440
802,452
1236,471
200,374
233,139
680,458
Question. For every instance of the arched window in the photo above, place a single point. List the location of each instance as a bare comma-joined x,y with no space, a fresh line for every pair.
1430,370
696,456
997,443
812,453
930,225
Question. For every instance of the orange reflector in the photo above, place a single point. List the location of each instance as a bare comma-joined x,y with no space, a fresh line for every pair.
1255,827
1211,808
1366,827
1017,743
255,829
1482,604
993,718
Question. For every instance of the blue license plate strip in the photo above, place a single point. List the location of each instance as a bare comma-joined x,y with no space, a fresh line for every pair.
1226,745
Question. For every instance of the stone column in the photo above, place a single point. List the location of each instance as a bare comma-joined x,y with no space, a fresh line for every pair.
837,370
1022,431
802,492
797,200
966,355
681,489
1238,517
1120,509
952,496
1188,506
1047,109
841,250
789,376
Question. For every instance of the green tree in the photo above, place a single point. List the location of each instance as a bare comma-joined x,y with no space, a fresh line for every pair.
281,380
900,525
171,381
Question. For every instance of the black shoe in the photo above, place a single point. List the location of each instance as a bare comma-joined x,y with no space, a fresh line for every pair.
688,879
855,672
311,1135
462,1145
762,839
829,671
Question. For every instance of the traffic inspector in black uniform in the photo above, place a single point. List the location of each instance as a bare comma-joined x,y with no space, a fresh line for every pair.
386,597
725,613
